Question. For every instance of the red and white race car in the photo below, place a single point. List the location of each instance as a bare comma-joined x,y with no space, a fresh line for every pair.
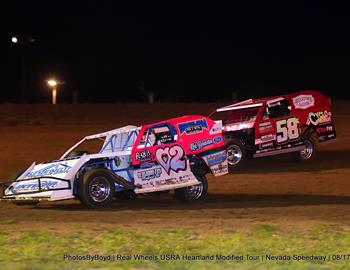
275,125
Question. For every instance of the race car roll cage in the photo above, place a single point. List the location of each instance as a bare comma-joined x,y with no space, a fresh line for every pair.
132,130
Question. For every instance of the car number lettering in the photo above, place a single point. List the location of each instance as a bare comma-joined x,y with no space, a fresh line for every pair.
287,129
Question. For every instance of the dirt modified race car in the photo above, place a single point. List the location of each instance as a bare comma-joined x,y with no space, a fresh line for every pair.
276,125
170,155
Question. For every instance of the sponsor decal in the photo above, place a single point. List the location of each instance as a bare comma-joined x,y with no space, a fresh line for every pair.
200,144
171,158
150,174
265,124
215,130
324,129
143,156
265,127
193,127
268,137
217,139
45,185
50,170
185,178
220,169
147,165
303,101
320,117
266,145
217,158
217,162
170,181
165,138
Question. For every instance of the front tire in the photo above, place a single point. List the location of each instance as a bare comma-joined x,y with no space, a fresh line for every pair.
96,188
235,154
194,193
308,153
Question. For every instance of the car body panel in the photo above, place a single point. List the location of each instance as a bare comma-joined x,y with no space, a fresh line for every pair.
167,164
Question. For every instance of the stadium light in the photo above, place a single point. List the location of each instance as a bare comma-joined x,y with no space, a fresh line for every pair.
52,82
53,85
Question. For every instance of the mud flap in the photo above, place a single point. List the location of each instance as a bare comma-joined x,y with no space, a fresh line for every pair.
217,162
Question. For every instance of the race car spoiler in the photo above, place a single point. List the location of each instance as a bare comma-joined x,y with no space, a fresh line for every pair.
36,185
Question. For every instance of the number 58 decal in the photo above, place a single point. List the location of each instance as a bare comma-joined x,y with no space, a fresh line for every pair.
287,129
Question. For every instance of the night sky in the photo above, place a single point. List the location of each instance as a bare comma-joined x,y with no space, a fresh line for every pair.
111,52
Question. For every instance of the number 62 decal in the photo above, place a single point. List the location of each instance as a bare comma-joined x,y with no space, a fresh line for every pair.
287,129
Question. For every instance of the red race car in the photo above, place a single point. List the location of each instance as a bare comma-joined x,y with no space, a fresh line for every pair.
275,125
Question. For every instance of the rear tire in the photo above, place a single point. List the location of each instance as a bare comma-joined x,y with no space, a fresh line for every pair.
193,194
308,153
96,188
236,154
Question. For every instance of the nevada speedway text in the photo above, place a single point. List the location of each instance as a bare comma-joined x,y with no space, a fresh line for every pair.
216,257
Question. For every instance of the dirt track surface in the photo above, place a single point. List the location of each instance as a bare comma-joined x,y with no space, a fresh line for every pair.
274,189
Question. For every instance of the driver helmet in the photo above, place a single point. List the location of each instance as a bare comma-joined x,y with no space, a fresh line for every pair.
152,138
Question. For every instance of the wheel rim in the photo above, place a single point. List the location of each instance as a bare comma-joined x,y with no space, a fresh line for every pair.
99,189
195,191
234,154
308,151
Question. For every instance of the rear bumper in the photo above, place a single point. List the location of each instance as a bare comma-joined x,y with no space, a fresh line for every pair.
36,189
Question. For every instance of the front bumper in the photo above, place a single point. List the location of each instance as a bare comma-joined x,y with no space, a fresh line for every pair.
36,189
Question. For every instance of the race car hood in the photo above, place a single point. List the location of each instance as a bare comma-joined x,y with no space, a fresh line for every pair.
58,169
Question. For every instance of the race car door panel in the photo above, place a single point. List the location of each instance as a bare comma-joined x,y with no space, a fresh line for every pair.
161,162
278,130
